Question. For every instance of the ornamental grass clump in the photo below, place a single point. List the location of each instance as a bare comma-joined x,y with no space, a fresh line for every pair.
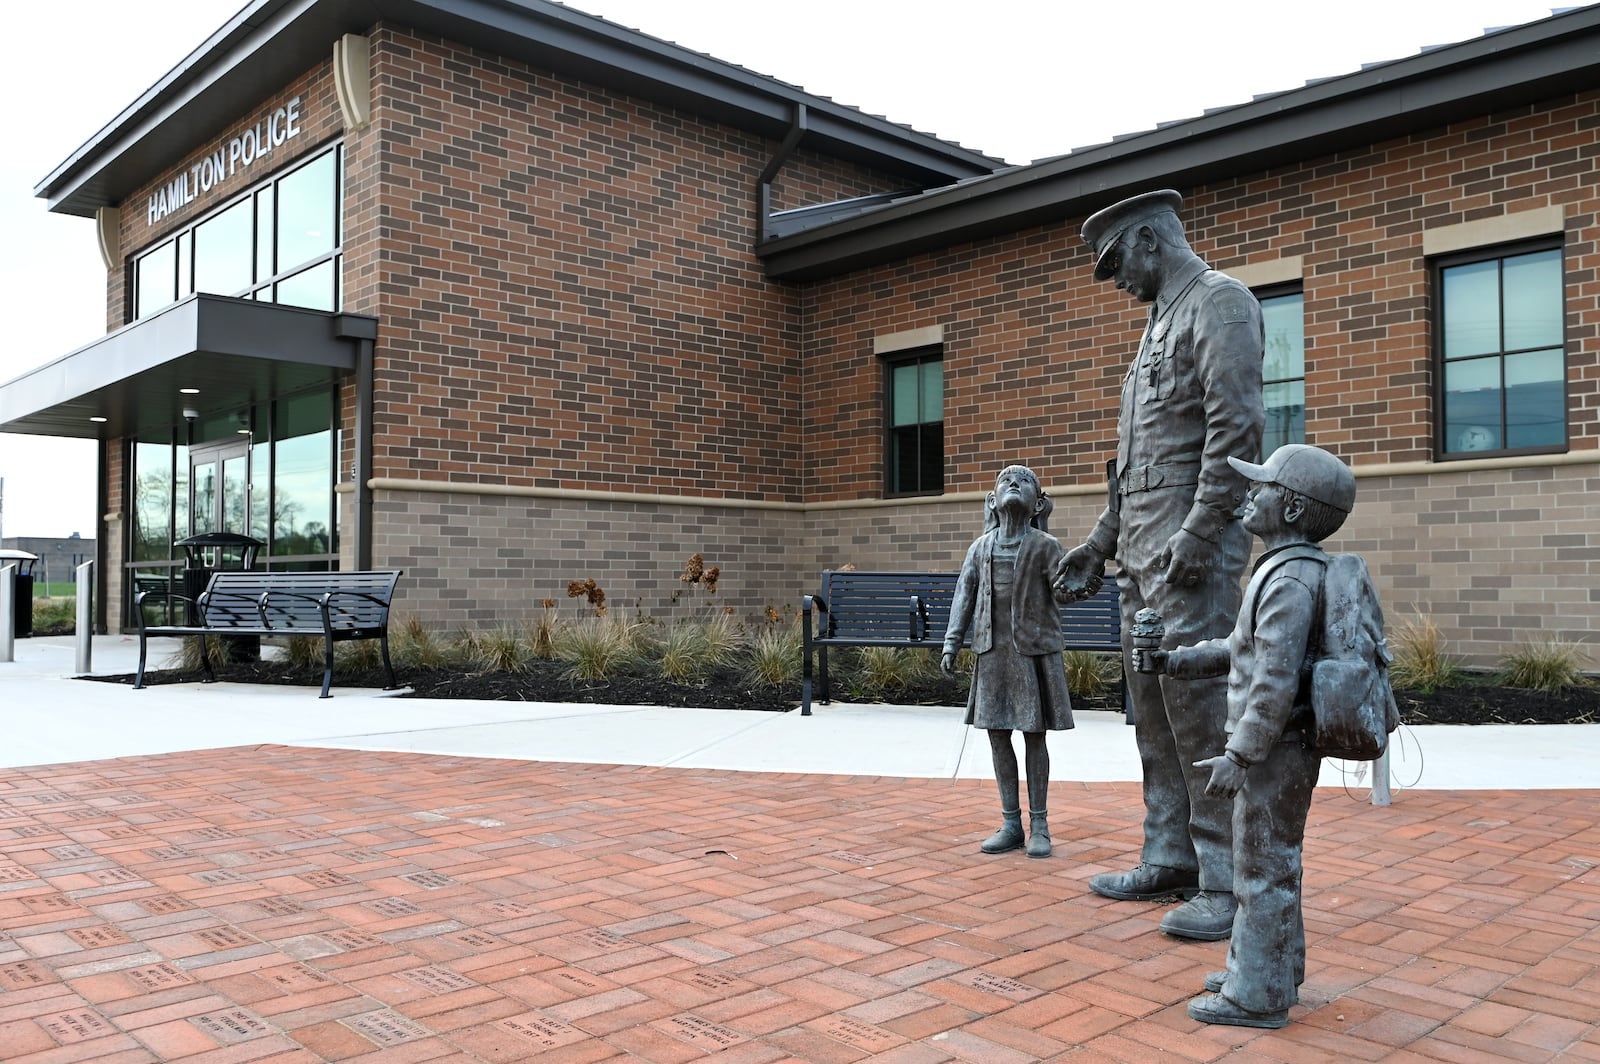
694,650
882,672
774,655
415,644
503,650
1549,663
1420,662
1090,675
598,648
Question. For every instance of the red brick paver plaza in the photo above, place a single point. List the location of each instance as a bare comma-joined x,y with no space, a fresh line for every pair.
289,905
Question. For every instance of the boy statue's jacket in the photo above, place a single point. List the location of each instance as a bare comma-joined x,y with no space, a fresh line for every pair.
1035,616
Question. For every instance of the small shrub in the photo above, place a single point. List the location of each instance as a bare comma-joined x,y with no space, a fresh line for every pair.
774,655
55,616
1090,675
1545,664
1420,662
597,649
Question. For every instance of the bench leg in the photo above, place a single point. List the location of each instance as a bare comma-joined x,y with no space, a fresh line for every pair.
383,644
138,678
823,692
205,661
327,664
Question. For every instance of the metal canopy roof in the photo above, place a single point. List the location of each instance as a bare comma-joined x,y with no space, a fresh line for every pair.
237,352
271,42
1495,73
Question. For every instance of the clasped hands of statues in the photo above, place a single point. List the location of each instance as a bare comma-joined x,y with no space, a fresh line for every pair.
1185,560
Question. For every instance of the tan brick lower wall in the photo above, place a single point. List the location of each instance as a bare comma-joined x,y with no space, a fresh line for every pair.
1494,557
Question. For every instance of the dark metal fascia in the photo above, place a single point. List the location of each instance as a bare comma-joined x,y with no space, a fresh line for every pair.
1488,75
270,42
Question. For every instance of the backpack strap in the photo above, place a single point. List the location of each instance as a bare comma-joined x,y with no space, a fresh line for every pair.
1312,553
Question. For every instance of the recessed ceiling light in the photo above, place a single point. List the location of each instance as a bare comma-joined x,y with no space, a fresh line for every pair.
189,391
98,420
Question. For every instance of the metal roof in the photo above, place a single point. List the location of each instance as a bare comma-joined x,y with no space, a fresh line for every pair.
1502,70
270,42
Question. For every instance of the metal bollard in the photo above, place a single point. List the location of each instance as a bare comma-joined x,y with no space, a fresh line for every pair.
85,618
1380,778
8,613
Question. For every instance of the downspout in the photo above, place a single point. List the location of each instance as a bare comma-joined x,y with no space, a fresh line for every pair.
791,141
364,331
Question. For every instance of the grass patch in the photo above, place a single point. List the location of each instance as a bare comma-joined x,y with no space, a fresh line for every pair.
1091,675
598,648
1544,664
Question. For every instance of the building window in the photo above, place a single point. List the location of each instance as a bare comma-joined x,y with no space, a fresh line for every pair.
280,242
916,425
1283,372
1502,355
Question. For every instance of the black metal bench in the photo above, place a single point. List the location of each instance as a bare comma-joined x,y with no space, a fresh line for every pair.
857,608
336,606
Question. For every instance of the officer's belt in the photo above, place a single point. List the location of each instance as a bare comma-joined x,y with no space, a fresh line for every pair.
1150,477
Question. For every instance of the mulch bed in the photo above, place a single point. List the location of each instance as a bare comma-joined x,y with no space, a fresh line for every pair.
1475,701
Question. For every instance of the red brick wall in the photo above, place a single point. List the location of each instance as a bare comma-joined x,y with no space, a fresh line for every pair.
569,290
1035,349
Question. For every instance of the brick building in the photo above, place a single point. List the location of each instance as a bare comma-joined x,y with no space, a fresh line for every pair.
508,296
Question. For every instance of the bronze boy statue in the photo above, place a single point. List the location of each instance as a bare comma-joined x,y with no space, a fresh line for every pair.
1005,596
1300,496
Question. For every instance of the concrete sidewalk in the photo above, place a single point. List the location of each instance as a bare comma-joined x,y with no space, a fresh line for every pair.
53,718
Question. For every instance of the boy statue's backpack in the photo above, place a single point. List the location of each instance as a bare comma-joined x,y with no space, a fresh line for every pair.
1351,699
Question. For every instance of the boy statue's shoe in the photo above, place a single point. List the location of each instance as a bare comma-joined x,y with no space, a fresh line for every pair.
1214,1008
1146,883
1206,917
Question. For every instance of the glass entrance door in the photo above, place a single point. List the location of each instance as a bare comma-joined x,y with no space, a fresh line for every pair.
219,478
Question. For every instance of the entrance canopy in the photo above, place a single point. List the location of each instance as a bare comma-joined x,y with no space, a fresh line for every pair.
232,353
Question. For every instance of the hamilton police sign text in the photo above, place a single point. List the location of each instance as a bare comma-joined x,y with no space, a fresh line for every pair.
240,153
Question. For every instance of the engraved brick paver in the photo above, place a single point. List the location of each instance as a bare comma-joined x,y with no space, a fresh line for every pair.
300,905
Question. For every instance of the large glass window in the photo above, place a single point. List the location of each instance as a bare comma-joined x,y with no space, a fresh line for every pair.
1283,372
280,242
1502,352
916,425
302,476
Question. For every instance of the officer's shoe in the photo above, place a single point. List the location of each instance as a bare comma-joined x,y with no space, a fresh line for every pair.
1214,981
1207,917
1214,1008
1146,883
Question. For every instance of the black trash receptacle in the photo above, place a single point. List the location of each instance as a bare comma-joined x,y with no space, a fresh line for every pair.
205,554
22,609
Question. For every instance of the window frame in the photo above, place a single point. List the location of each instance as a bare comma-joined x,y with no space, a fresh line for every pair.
913,356
263,285
1280,291
1497,253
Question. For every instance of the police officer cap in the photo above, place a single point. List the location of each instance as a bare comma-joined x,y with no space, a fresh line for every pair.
1103,228
1305,470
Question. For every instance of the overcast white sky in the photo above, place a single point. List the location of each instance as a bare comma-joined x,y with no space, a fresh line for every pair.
1019,79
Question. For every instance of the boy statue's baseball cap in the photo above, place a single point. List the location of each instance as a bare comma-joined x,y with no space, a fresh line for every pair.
1306,470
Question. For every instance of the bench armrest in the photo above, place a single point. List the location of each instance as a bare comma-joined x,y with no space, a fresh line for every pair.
168,597
328,601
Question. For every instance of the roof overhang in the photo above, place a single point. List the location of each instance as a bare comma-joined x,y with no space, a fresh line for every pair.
1492,74
271,42
236,352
